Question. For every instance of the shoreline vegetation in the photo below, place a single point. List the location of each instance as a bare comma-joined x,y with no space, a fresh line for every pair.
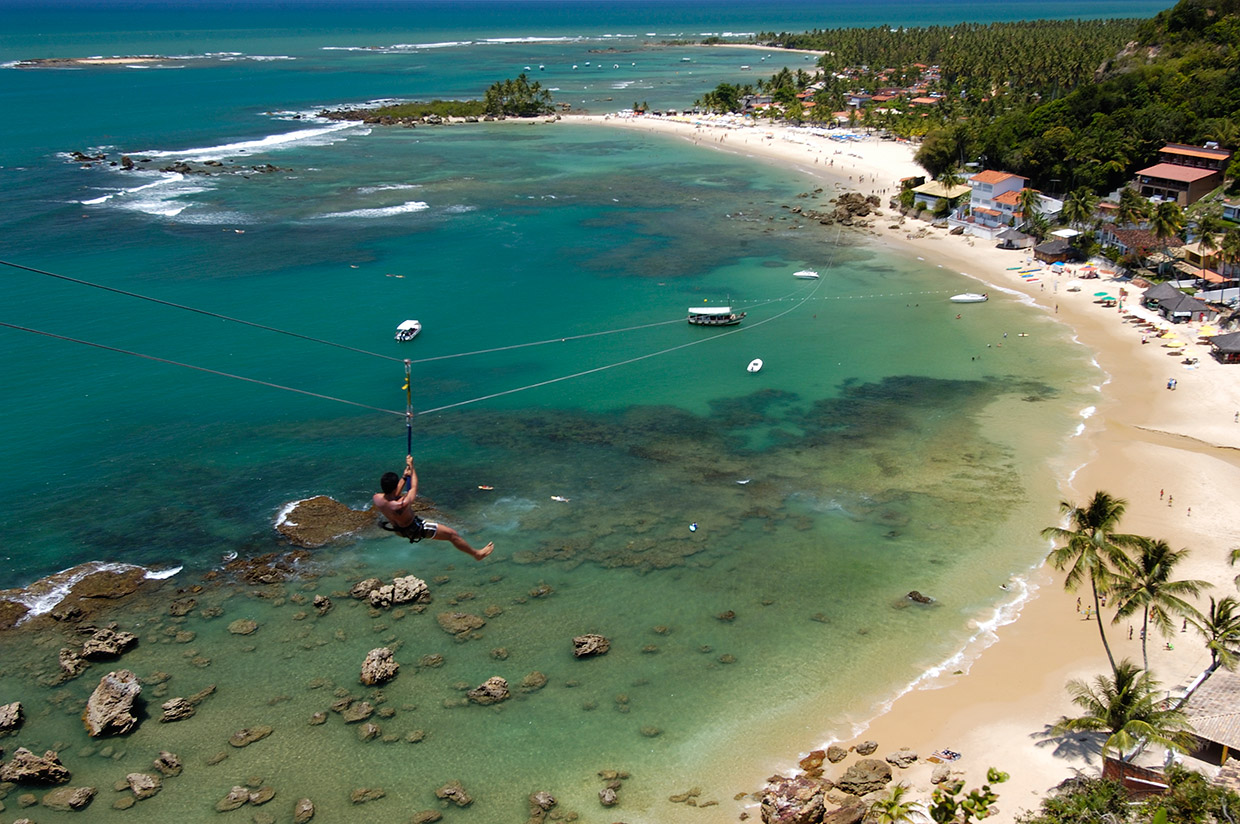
1076,126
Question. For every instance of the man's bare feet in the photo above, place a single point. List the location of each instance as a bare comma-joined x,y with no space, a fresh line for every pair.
484,552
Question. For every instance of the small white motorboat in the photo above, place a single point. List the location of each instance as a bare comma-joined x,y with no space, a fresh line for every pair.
970,297
755,365
806,274
408,330
714,316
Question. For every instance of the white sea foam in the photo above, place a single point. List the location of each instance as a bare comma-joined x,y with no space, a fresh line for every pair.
388,187
385,211
319,135
286,510
43,595
460,209
161,197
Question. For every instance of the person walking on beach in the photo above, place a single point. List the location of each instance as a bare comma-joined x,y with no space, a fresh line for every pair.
398,509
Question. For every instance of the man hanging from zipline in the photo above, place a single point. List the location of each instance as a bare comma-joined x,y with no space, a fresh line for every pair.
398,509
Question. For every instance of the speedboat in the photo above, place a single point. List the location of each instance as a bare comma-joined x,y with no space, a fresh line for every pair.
755,365
806,274
714,316
970,297
408,330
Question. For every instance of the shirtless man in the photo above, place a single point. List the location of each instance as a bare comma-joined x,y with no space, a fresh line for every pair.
398,509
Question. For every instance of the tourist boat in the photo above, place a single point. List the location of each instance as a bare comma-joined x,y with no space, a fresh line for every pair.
755,365
969,297
408,330
806,274
714,316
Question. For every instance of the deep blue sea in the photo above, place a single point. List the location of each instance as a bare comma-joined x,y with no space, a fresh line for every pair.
884,447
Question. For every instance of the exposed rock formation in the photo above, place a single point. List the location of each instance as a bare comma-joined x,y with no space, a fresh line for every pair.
28,768
491,691
902,758
66,799
322,605
866,776
243,626
918,598
168,764
407,590
303,811
586,645
176,709
454,792
798,800
71,664
867,748
320,520
144,785
10,718
110,709
379,667
836,753
106,644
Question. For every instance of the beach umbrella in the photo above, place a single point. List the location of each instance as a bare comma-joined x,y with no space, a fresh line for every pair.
1101,294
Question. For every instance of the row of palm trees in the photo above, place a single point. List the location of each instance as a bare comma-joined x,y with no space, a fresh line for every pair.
1137,574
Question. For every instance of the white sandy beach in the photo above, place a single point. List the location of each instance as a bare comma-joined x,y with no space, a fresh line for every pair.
1171,454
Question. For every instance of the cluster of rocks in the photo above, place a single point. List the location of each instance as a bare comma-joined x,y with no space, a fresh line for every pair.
181,708
491,691
809,797
373,117
405,590
27,768
851,209
207,167
613,781
240,796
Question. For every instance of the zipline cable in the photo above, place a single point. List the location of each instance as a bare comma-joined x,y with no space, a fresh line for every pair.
194,309
200,368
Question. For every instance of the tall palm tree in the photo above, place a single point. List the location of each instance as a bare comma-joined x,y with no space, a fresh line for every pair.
1091,549
1133,209
1220,627
1127,705
1030,204
1079,206
1167,220
1143,583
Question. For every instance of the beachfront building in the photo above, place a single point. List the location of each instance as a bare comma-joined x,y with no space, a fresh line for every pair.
1213,709
1174,305
927,195
1184,174
1227,350
1055,250
994,204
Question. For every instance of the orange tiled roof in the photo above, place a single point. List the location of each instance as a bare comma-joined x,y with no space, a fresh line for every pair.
1009,199
1181,174
993,177
1196,151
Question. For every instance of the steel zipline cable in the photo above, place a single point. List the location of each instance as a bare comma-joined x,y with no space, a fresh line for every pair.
408,413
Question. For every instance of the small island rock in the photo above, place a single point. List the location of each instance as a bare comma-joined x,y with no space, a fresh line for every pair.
379,667
491,691
27,768
110,709
590,644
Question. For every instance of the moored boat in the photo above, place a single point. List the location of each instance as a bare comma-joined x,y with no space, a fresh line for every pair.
408,330
806,274
970,297
714,316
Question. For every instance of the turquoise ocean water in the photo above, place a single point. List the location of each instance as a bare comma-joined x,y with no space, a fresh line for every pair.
885,446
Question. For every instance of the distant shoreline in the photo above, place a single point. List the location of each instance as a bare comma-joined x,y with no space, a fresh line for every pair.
63,62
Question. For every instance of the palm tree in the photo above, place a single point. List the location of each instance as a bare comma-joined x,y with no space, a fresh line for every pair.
1129,707
1133,209
1230,247
1030,204
894,809
1167,220
1079,206
1092,548
1220,627
1144,584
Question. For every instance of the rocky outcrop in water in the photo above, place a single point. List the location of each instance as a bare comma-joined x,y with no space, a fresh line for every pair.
144,785
71,663
407,590
454,792
176,709
379,667
459,623
591,644
246,737
107,643
110,709
27,768
10,718
168,764
491,691
318,521
68,799
303,811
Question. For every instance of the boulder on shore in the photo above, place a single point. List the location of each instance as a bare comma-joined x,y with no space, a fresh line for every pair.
797,800
27,768
107,643
379,667
866,776
110,709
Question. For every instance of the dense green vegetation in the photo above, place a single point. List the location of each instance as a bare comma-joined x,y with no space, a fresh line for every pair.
441,108
1179,82
1192,799
517,98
